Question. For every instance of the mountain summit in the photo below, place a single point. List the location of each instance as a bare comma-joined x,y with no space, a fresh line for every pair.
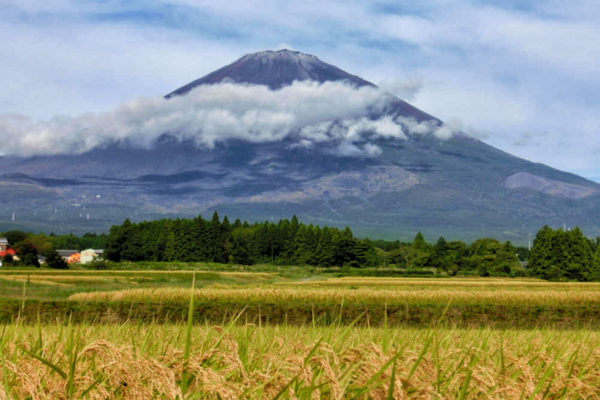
279,68
274,69
360,170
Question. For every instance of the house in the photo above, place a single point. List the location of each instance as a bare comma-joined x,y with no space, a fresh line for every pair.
80,257
8,252
4,249
90,255
69,256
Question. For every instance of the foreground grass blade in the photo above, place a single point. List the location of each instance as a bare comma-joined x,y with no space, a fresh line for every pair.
51,365
188,339
390,393
465,386
420,357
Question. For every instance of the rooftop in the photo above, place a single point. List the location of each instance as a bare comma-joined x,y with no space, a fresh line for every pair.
66,253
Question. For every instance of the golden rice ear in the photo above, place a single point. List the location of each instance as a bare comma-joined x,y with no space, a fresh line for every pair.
134,363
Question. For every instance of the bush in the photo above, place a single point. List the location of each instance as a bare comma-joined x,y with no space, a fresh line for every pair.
31,259
8,259
54,260
518,272
98,265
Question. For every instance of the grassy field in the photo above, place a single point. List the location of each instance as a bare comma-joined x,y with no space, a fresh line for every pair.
276,333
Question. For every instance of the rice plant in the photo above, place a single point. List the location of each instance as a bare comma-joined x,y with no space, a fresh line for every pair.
233,361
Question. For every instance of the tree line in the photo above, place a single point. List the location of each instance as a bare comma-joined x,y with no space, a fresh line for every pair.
483,257
556,254
289,242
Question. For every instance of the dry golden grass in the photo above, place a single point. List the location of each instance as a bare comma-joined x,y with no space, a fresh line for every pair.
448,282
235,362
73,278
60,278
330,295
141,273
37,281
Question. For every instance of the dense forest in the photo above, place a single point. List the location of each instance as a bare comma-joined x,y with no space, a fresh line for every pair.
285,243
555,255
289,242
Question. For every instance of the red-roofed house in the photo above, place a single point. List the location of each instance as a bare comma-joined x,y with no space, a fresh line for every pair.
8,251
4,249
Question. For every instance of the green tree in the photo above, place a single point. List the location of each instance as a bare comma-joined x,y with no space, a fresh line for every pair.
54,260
542,256
15,237
438,257
557,254
420,244
31,259
595,274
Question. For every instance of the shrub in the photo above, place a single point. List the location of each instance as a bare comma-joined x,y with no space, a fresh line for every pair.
98,265
31,259
54,260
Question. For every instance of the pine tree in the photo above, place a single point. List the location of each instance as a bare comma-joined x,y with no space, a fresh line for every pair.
595,273
117,240
420,244
216,245
541,258
438,258
326,249
365,253
578,256
170,243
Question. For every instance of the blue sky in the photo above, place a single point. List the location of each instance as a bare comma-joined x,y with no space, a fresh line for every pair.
522,76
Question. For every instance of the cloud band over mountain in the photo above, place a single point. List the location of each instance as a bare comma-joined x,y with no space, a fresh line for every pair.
311,112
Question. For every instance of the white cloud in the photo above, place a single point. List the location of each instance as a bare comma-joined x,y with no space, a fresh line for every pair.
312,112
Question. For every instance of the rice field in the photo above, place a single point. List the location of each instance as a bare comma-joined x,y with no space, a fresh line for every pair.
117,296
267,335
234,361
45,284
308,295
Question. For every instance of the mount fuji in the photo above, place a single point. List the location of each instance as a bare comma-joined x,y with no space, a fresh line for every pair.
387,170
